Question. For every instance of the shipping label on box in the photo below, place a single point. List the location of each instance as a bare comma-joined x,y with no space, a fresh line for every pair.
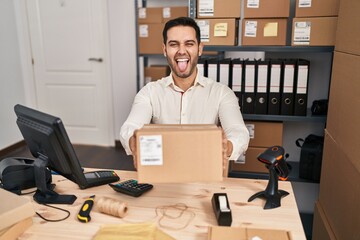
302,31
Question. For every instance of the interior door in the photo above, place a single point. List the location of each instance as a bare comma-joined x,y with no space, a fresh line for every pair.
69,47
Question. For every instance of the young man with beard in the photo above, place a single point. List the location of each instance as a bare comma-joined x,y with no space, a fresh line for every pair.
184,97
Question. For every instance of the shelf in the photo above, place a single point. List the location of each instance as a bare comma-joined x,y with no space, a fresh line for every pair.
293,176
294,49
285,118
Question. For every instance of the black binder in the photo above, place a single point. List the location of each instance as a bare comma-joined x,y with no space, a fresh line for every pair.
288,87
261,90
236,81
249,87
213,69
202,66
301,87
225,72
275,75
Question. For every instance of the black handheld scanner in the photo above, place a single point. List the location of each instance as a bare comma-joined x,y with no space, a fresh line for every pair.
274,157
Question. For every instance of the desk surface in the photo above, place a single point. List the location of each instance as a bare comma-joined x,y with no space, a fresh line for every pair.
192,224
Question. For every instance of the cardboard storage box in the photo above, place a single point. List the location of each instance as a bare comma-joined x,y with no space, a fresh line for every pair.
316,8
343,114
322,229
265,134
264,32
218,9
339,190
252,164
150,38
267,9
242,233
156,72
348,30
179,153
219,31
174,12
317,31
150,15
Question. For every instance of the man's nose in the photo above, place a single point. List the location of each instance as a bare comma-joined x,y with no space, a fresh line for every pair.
182,49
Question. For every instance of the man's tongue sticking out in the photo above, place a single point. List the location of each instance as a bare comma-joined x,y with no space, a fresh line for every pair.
182,64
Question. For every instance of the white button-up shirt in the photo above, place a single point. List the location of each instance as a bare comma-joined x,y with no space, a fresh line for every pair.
206,102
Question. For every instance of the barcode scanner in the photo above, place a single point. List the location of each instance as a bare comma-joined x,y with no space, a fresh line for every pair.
275,160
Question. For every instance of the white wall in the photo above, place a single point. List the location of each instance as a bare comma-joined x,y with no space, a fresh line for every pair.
11,89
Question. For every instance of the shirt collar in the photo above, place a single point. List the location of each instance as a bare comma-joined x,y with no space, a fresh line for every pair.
199,80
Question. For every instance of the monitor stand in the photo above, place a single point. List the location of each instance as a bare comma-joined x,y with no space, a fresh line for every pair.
44,192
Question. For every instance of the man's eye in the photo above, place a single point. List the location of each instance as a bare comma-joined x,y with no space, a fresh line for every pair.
173,45
189,44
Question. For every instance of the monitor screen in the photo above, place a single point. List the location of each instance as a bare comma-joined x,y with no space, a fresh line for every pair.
49,143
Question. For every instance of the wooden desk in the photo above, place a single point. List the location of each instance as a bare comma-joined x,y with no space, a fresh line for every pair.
194,222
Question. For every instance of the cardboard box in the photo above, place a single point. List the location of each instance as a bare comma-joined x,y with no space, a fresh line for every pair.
317,31
267,9
348,30
219,31
218,9
150,15
156,72
174,12
150,38
179,153
321,227
264,32
343,115
339,190
316,8
252,164
265,134
242,233
14,209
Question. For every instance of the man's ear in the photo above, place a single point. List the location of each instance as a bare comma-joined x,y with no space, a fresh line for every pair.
201,46
164,49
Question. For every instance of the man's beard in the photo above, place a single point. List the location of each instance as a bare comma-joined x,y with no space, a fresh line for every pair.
174,68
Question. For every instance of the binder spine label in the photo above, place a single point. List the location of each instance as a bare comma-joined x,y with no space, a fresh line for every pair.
236,80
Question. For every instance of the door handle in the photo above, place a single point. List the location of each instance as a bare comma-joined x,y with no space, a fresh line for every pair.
96,59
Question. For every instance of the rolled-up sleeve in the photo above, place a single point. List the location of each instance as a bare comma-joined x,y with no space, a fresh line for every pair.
233,124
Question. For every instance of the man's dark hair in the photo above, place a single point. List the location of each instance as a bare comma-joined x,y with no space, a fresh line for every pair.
181,21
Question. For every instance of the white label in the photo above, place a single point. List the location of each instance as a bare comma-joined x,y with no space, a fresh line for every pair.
304,3
249,78
166,12
253,4
223,204
275,78
151,150
224,74
206,8
250,28
262,78
302,80
251,129
289,78
144,31
237,76
302,33
204,26
142,12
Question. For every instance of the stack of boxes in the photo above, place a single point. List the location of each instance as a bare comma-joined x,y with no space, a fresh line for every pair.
315,23
219,21
151,21
265,23
336,215
262,136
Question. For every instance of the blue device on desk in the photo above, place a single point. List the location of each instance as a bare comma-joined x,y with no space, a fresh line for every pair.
49,143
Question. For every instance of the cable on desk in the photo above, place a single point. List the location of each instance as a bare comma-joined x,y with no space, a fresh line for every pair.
54,220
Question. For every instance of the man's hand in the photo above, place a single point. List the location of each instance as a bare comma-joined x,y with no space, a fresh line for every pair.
132,144
227,150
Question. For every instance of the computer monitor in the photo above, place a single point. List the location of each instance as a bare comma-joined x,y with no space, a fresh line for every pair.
49,143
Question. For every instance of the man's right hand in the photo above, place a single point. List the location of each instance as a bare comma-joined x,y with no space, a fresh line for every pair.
132,144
